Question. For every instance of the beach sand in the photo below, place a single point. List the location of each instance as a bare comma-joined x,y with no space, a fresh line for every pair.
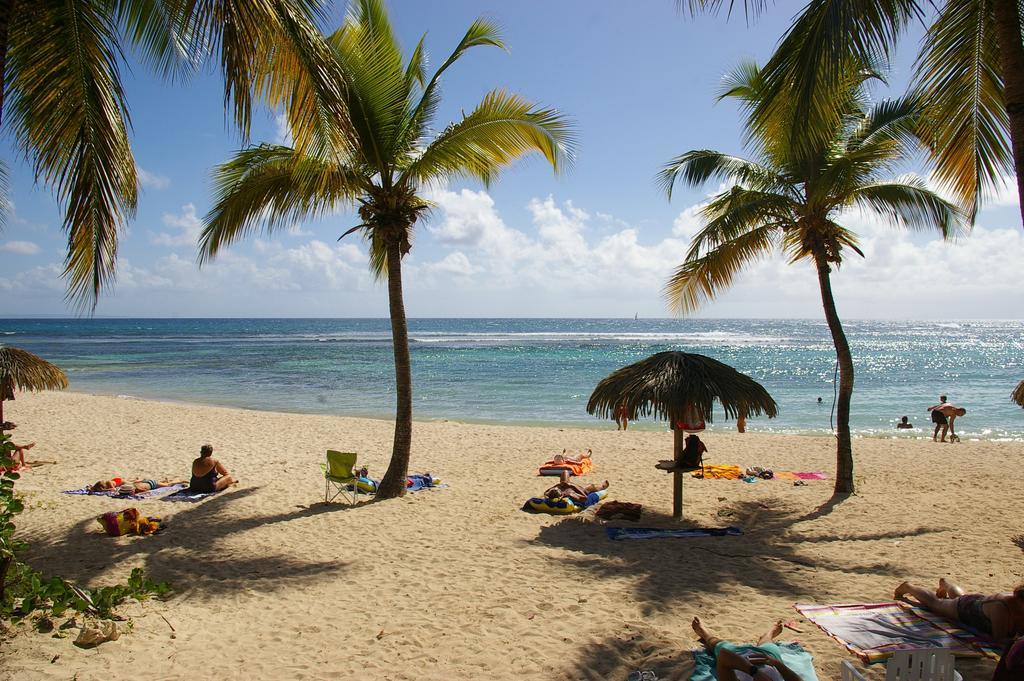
458,583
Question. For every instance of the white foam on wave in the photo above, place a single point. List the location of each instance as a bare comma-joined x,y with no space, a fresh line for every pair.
700,338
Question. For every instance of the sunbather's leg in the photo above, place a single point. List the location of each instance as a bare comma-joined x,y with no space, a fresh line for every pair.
224,483
771,633
926,597
595,488
171,483
706,637
948,589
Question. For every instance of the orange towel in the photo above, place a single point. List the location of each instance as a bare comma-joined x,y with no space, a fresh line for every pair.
581,468
720,472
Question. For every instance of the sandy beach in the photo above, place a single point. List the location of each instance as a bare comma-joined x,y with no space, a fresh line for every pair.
458,583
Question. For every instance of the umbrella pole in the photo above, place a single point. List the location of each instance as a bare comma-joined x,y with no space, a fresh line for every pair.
678,438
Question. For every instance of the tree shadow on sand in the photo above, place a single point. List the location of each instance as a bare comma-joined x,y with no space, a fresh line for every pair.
191,552
767,557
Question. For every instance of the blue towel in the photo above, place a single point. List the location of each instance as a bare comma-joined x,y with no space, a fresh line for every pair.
792,655
657,533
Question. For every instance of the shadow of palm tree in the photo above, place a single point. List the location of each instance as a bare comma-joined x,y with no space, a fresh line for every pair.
636,647
767,557
190,553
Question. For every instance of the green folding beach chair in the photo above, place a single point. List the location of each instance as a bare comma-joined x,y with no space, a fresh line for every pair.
339,475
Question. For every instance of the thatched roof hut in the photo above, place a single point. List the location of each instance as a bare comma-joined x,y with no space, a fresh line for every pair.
21,370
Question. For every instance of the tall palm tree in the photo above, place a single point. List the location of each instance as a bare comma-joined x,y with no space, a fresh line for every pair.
62,98
391,104
791,197
969,72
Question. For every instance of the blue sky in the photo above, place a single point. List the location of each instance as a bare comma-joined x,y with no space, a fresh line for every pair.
637,78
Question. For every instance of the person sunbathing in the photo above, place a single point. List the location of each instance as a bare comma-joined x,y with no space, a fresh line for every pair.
1000,616
760,662
132,487
562,458
18,453
208,474
566,490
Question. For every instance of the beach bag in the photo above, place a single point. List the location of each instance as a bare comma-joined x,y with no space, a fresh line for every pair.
118,523
129,521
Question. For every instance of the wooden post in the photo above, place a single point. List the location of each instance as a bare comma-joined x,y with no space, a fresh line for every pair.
678,442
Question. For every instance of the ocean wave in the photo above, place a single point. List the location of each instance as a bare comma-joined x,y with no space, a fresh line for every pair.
538,337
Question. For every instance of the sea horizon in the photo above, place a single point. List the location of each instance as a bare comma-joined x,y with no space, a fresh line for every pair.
538,371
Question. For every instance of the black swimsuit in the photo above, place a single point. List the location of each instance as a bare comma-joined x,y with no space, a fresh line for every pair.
204,483
969,610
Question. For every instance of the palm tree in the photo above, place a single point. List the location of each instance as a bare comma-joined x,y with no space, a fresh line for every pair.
969,73
62,98
390,103
791,197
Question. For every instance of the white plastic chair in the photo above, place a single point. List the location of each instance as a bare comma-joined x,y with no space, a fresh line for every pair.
847,672
922,665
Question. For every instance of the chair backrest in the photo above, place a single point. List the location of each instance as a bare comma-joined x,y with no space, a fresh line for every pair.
340,464
920,665
847,672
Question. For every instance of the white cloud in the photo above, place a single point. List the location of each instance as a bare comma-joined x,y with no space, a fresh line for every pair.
297,230
20,247
188,227
1005,193
152,180
455,264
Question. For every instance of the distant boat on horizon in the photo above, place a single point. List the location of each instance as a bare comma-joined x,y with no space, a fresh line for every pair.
635,316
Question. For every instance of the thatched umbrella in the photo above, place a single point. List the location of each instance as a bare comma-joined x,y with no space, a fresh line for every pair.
23,370
676,386
1018,394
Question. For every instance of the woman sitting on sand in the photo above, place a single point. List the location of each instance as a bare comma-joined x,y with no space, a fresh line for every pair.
1000,616
760,662
133,487
566,490
18,454
208,474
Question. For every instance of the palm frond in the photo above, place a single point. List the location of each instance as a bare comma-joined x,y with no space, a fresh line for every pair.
966,124
377,86
69,116
481,32
26,371
699,279
814,56
503,127
268,187
5,194
737,211
694,168
158,29
910,204
752,8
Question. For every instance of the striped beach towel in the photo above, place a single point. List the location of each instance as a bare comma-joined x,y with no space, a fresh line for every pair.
874,631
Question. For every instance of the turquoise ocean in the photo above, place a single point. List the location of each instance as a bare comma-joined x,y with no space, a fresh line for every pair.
538,371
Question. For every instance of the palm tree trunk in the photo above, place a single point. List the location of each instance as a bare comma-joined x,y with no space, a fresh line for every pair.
1011,55
844,446
5,23
394,482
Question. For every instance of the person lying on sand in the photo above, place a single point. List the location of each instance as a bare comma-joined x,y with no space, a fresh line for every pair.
1001,616
764,663
208,474
133,487
566,490
562,458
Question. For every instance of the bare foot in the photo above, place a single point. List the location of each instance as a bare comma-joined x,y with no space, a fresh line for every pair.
771,633
605,485
943,590
901,591
698,627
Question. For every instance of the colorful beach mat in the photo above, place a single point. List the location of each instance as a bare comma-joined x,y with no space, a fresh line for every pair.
186,494
874,631
716,471
659,533
114,494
